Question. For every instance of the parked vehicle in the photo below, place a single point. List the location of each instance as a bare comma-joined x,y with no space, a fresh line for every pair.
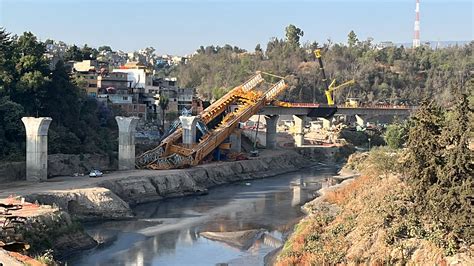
95,173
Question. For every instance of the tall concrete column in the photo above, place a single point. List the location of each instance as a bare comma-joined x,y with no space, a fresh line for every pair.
271,136
299,127
36,147
127,128
188,123
236,141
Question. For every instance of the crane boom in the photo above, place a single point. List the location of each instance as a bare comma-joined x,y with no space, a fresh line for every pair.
330,87
317,53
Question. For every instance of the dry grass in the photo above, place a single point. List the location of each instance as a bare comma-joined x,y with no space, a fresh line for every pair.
364,231
344,194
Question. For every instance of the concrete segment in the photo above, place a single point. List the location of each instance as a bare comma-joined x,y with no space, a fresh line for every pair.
327,123
271,121
127,127
36,147
236,141
188,123
360,121
299,127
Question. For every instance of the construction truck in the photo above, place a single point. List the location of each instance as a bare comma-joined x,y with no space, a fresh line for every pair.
352,102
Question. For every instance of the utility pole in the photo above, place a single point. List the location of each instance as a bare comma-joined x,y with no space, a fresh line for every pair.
416,38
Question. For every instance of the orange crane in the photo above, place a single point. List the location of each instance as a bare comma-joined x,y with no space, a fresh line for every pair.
171,153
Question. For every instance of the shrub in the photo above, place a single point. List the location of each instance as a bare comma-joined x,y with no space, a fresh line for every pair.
396,135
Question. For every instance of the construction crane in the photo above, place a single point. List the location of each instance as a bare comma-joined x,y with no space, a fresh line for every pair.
330,87
219,123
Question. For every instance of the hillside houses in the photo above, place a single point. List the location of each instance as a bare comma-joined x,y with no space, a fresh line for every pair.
134,89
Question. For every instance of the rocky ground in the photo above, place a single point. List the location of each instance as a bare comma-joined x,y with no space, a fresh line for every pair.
45,228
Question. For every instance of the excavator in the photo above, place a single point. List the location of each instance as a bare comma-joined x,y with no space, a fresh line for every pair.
215,124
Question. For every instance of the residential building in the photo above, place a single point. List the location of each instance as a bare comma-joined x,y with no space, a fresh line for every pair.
113,58
385,44
120,98
116,80
185,99
90,82
138,77
133,109
86,66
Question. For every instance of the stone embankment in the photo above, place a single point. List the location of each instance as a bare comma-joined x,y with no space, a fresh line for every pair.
45,228
111,198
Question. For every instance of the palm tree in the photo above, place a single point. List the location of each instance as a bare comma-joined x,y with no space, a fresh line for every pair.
163,103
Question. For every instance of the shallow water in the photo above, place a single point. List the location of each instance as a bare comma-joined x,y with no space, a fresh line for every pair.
167,232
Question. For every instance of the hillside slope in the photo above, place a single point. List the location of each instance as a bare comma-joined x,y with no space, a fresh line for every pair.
369,220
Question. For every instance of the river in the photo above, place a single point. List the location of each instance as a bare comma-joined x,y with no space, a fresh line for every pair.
167,232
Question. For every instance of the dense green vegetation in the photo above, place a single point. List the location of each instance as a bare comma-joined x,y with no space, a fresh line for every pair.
440,171
393,74
29,88
395,135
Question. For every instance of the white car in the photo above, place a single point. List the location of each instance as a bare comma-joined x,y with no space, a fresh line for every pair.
95,173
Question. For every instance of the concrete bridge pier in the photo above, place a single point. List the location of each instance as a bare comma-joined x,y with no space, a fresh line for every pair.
36,147
299,130
188,123
360,121
327,123
236,141
127,128
271,135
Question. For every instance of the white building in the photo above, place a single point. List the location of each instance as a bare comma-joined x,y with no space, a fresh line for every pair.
138,77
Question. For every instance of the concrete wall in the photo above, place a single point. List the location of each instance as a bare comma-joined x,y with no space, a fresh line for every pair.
60,165
12,171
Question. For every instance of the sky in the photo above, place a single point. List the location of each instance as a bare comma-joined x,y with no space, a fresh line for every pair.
181,26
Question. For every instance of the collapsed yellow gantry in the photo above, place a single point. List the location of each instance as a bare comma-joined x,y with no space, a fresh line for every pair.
171,153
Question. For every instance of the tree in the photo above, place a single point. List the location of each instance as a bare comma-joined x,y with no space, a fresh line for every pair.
89,53
293,35
7,65
396,135
424,157
73,53
32,74
451,196
440,172
11,129
105,48
30,88
352,39
163,103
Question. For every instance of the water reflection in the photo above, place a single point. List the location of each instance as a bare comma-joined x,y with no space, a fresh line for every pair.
167,232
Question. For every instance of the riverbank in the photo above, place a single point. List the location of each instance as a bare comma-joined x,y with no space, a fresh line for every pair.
173,231
109,198
364,220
